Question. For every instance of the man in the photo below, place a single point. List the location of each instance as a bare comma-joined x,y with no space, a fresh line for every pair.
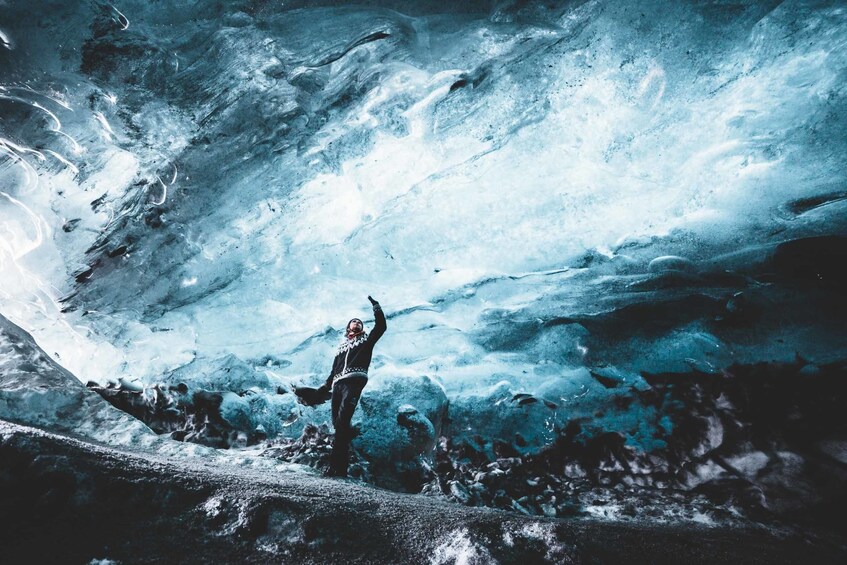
348,377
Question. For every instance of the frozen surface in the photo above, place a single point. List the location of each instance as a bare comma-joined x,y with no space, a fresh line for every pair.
35,390
207,191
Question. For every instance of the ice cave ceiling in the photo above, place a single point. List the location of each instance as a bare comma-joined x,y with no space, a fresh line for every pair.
530,189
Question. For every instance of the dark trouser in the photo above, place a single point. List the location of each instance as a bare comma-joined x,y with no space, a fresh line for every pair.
345,397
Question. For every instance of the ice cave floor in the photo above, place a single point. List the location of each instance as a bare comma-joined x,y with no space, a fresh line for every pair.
74,501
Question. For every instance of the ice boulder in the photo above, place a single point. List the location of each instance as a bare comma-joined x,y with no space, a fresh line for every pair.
219,419
227,373
513,418
275,414
401,418
261,414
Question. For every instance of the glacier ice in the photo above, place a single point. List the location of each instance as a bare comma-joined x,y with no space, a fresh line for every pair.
555,203
35,390
229,179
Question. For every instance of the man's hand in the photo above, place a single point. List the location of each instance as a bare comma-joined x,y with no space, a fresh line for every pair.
312,396
373,302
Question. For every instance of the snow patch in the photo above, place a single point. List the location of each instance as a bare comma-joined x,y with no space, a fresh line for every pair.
457,548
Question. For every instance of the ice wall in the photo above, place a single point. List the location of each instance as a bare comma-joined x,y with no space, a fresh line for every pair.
533,192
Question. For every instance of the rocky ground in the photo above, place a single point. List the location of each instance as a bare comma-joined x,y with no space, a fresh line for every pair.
72,501
756,442
762,442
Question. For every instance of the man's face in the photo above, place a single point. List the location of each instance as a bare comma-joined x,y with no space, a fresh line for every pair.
354,327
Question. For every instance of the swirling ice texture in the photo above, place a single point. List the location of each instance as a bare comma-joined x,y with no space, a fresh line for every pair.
498,175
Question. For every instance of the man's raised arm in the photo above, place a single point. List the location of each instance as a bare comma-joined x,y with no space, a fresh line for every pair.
379,322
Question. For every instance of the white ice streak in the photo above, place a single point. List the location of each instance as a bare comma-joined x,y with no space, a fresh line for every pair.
53,97
164,195
121,19
56,123
30,176
62,160
5,42
107,132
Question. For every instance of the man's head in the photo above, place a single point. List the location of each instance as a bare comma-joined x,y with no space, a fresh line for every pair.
355,327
